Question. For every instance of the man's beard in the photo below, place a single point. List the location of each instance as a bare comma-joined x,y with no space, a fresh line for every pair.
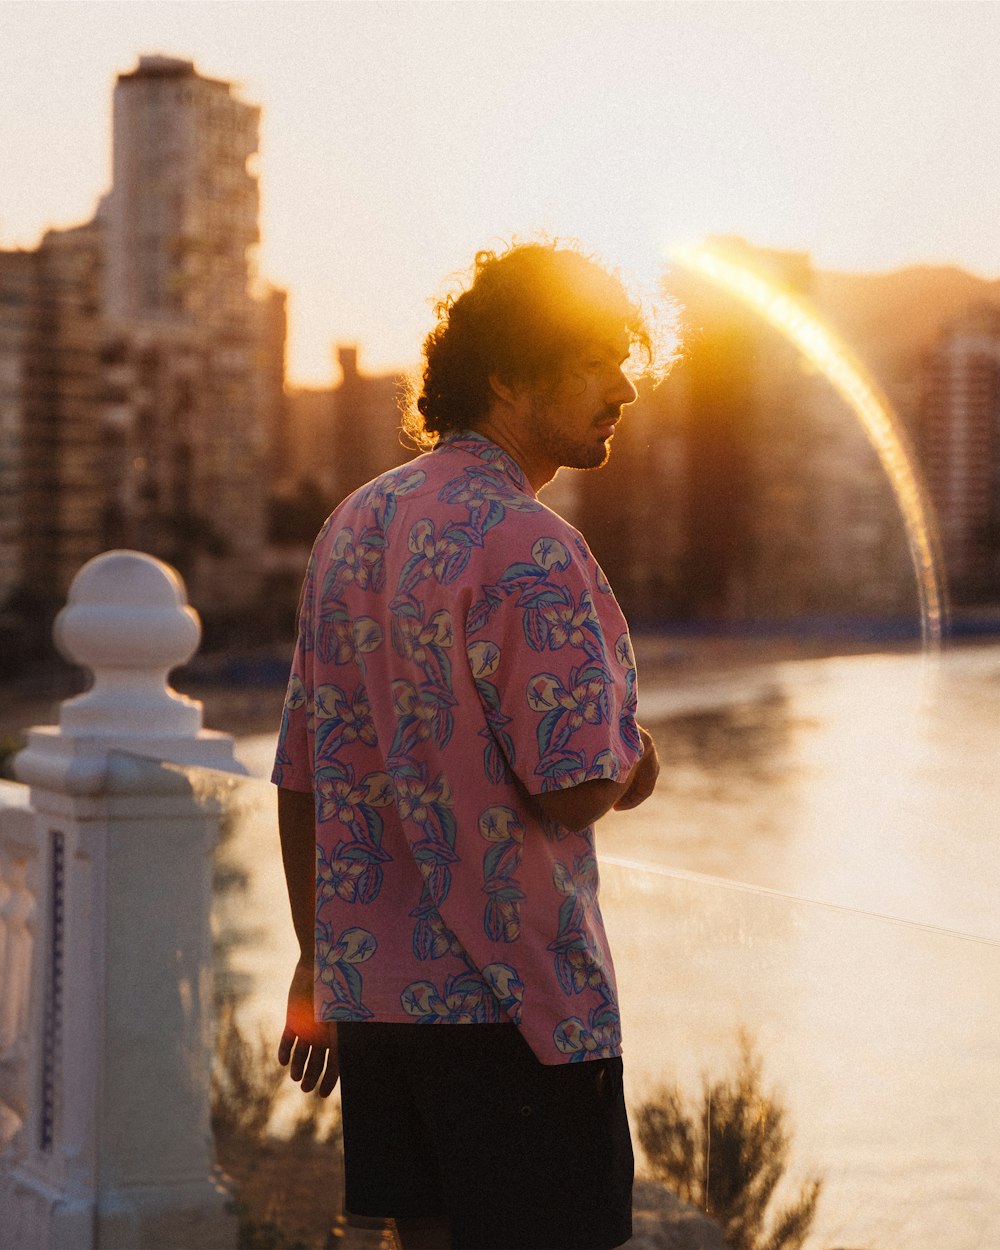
583,449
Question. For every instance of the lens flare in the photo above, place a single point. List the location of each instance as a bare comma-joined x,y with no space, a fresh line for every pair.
817,342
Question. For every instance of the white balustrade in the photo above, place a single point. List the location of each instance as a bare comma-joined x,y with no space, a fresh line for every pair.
18,893
105,944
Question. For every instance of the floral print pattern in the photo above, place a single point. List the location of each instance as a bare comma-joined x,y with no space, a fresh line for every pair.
459,651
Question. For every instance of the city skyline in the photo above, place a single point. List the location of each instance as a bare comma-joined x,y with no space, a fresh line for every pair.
397,139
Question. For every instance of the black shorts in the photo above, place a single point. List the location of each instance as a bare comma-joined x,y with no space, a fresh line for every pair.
462,1121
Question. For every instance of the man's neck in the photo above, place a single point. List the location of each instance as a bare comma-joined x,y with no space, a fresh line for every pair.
510,438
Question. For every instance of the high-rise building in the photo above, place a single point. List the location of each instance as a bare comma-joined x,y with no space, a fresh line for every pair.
141,371
960,448
340,437
18,320
633,511
51,499
189,348
744,488
181,217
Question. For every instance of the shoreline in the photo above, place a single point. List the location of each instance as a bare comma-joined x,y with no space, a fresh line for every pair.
253,706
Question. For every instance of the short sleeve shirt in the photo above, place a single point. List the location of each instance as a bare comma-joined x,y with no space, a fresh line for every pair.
459,650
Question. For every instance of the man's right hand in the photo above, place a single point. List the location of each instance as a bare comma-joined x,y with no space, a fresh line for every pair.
643,779
308,1046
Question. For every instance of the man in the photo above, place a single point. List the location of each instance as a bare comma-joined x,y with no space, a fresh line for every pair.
460,711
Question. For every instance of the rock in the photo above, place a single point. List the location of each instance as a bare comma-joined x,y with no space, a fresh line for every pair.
661,1221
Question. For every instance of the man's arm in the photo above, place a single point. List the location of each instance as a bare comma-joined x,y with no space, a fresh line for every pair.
579,806
308,1045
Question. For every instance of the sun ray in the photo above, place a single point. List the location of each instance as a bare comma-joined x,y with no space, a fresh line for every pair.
793,318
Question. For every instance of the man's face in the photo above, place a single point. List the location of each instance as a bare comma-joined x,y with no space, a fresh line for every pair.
573,421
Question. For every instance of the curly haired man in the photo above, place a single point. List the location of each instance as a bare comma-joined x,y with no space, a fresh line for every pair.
461,710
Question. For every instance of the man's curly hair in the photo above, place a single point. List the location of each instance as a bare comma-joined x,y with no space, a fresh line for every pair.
526,312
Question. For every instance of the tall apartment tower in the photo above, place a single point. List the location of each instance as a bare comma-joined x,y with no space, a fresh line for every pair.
960,446
182,214
51,498
187,410
744,488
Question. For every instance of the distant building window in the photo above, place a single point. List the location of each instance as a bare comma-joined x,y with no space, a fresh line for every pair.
114,352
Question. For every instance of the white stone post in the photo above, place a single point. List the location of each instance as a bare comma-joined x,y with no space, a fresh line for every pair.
116,1149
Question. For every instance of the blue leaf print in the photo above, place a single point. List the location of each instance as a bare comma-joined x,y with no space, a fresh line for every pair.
536,631
502,826
336,960
536,595
554,731
442,558
341,639
507,987
585,701
381,494
436,875
600,1038
499,754
423,643
490,696
495,763
462,535
571,919
352,873
502,917
627,727
563,768
502,861
465,999
430,941
522,576
432,938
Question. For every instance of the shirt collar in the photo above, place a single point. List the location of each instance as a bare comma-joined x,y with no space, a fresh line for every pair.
476,444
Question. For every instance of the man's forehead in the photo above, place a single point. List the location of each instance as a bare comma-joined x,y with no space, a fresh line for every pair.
617,344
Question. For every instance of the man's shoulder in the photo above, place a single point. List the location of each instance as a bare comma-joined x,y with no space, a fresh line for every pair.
538,537
423,475
482,498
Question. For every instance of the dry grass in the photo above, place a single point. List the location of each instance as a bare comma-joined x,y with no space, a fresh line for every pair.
287,1190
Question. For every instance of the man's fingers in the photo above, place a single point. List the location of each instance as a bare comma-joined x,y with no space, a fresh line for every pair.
314,1068
330,1076
285,1047
628,801
312,1064
644,778
299,1057
635,796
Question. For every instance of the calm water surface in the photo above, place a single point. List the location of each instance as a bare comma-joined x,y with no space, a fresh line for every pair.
859,797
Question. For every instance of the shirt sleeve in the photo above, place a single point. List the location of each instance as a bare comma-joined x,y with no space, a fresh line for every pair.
553,664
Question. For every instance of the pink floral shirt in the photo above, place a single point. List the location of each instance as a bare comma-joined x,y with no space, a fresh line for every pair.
459,650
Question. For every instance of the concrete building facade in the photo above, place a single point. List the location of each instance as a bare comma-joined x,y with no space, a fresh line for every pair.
51,493
341,436
142,362
744,489
960,448
189,350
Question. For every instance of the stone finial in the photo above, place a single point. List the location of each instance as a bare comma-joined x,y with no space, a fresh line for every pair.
127,620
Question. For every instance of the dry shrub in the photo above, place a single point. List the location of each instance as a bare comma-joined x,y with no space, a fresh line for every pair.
726,1153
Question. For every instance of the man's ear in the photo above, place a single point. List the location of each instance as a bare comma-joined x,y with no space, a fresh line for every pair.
506,392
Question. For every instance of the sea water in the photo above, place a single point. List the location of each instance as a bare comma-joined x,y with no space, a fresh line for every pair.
817,872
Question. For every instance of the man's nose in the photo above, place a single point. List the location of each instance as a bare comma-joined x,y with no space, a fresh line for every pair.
624,391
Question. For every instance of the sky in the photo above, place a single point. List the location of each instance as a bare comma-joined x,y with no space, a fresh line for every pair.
399,138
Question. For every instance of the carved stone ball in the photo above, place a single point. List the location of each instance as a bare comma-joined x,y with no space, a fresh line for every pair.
127,610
